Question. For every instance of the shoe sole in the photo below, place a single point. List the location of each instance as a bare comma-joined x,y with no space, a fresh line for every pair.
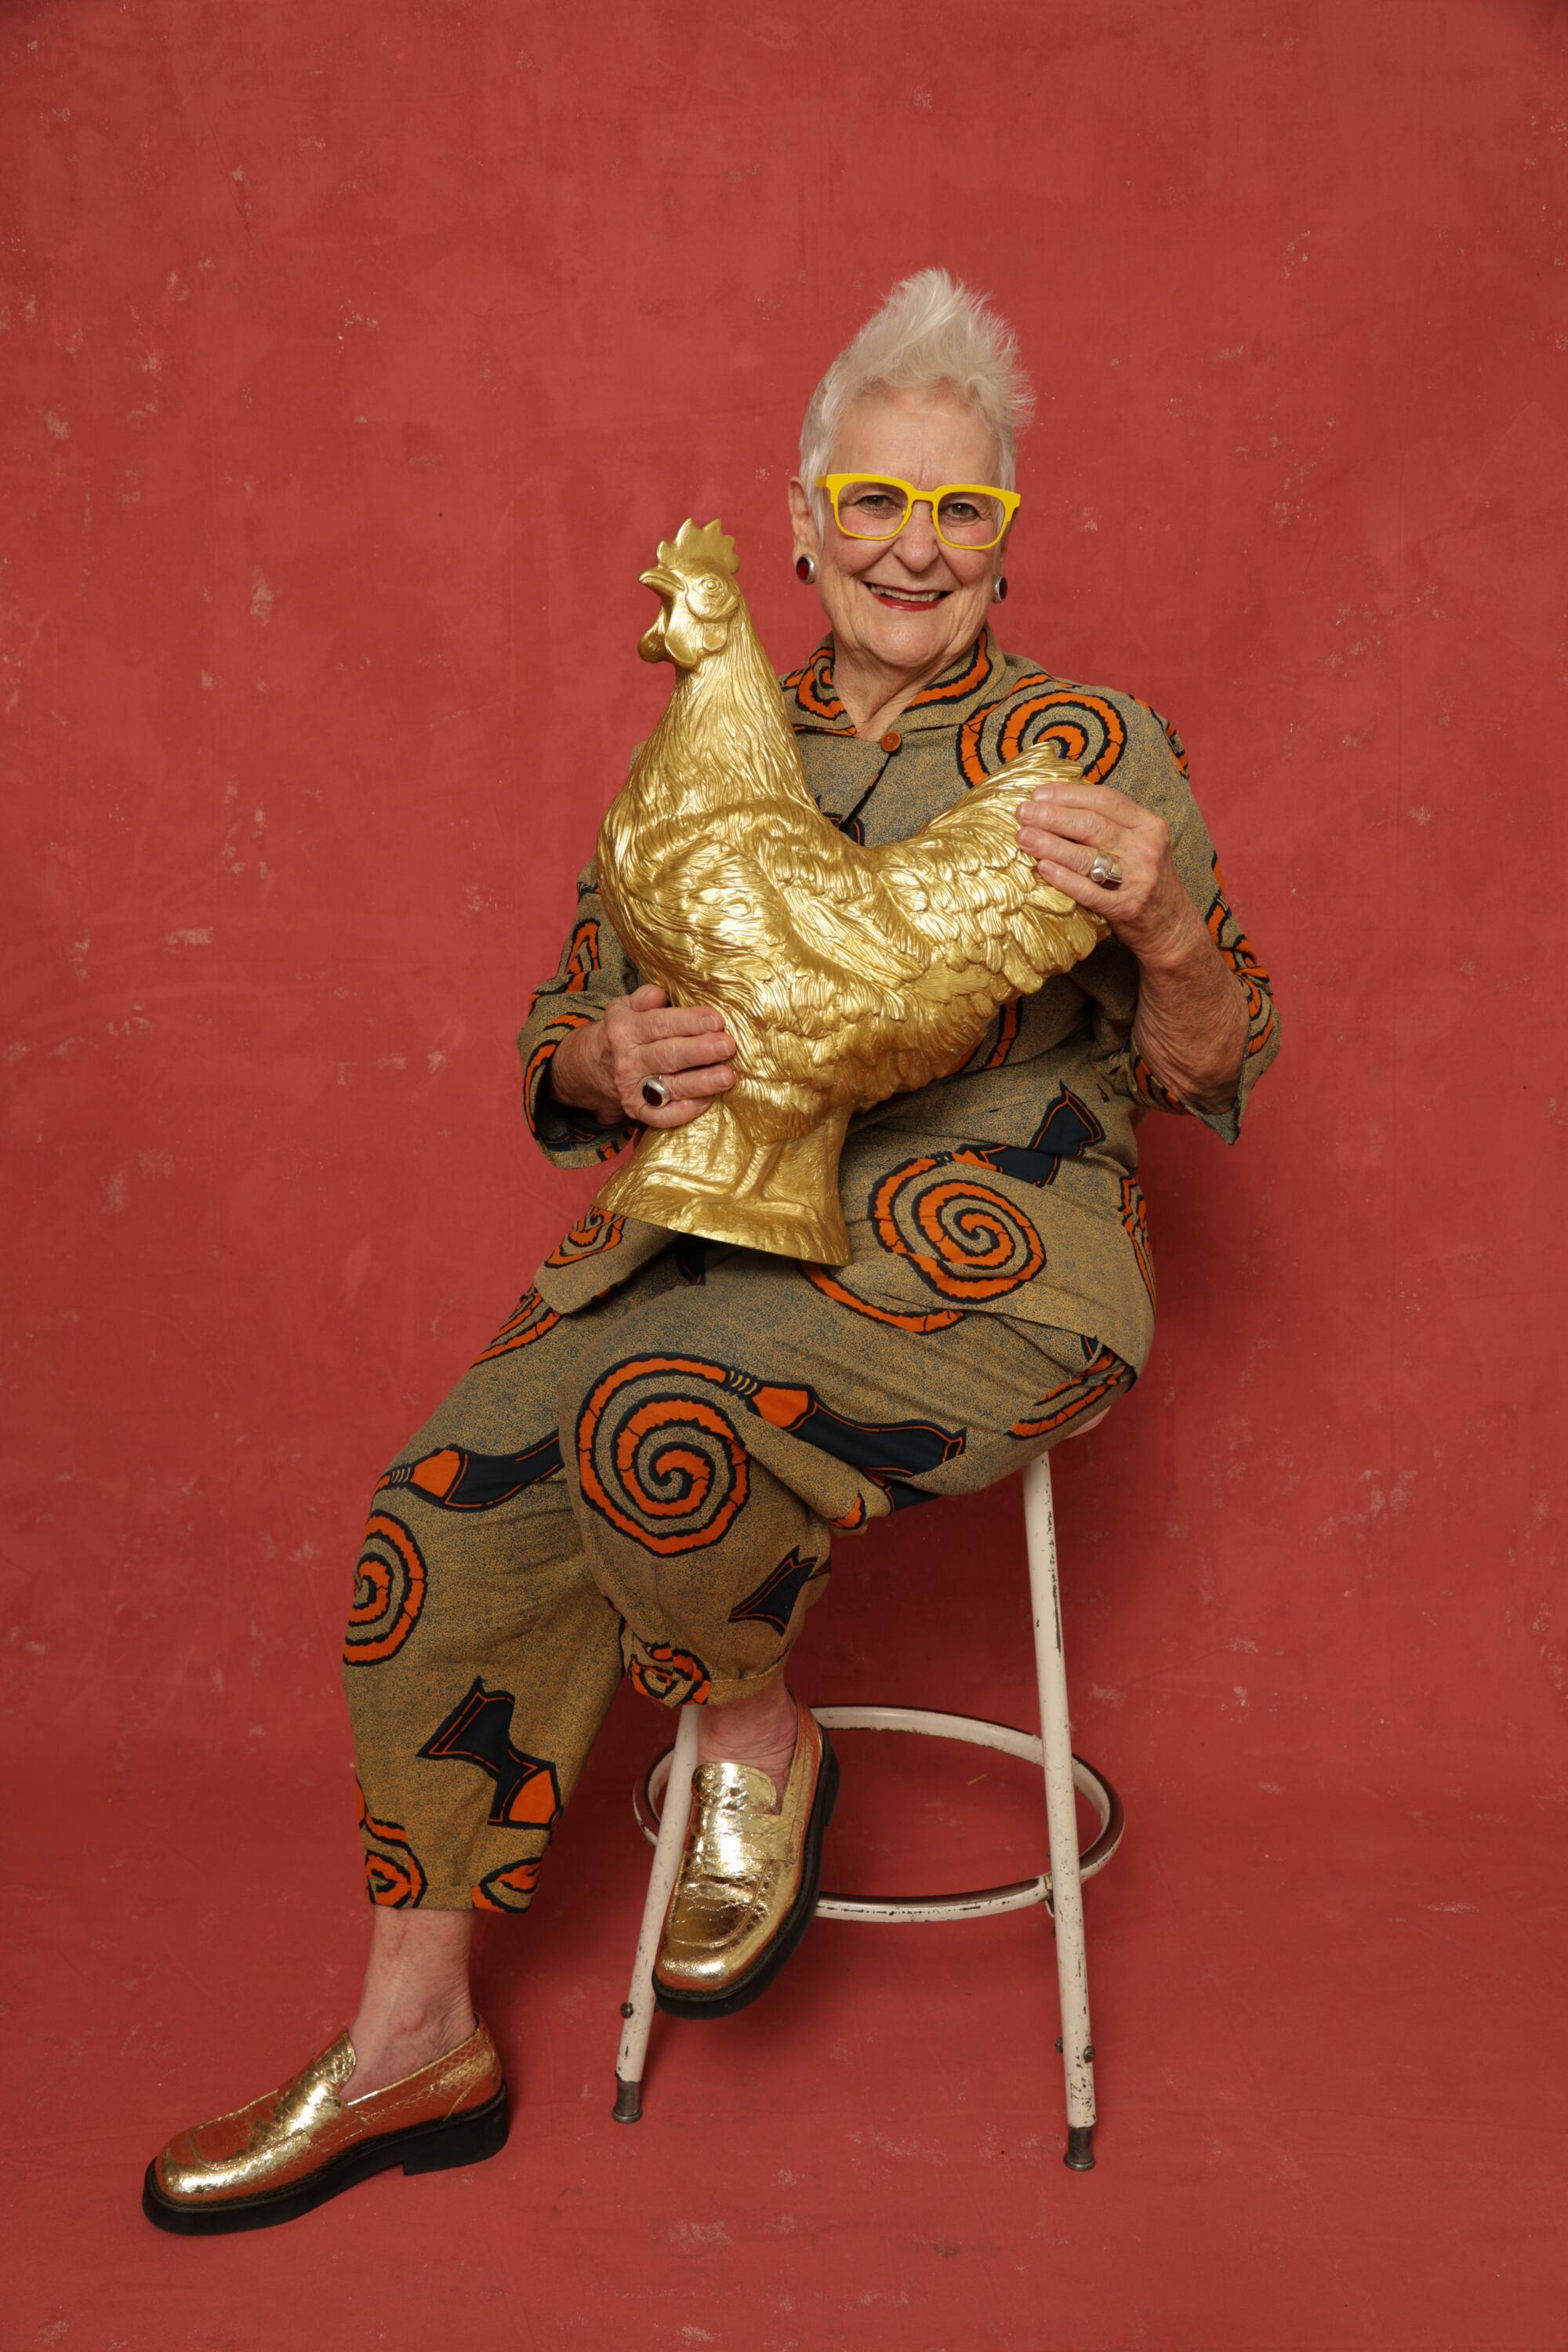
796,1920
424,2147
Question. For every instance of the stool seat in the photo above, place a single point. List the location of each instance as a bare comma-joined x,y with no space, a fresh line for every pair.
662,1803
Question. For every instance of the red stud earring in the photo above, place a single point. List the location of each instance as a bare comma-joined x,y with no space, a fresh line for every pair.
805,568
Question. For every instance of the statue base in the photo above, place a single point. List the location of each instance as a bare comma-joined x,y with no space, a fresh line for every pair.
709,1178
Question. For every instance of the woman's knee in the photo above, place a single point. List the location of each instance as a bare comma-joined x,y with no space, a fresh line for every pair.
653,1444
391,1588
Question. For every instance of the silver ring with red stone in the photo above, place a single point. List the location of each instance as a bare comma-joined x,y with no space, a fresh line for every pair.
1106,871
656,1093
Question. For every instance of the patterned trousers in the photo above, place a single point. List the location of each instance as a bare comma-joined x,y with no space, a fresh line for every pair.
647,1486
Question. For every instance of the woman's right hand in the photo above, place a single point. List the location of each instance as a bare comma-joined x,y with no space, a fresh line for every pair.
601,1068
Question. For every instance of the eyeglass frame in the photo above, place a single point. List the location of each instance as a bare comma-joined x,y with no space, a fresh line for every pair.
1011,501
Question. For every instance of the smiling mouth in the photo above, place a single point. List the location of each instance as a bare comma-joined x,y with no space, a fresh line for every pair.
906,600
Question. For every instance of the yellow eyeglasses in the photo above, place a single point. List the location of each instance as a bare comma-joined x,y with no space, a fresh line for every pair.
968,515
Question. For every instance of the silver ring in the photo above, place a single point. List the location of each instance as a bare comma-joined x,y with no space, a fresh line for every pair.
656,1093
1106,871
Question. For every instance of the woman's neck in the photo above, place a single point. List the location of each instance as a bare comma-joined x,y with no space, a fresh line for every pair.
874,695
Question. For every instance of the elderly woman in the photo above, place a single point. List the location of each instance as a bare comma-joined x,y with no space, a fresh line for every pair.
642,1473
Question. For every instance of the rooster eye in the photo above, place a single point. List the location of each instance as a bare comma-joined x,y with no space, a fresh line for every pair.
706,596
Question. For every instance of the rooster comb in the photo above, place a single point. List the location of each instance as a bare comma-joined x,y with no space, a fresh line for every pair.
709,549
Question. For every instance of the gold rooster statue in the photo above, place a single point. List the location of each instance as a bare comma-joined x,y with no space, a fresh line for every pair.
844,973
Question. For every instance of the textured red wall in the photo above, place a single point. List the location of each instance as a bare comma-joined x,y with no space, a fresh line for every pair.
358,359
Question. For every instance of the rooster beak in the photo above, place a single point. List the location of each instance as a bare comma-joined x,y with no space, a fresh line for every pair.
652,645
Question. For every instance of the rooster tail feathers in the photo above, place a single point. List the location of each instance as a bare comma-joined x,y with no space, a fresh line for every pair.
964,884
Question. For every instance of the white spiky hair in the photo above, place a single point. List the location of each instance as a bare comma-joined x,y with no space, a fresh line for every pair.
931,330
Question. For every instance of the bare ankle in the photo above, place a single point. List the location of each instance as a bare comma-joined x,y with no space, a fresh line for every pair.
386,2048
762,1732
443,2021
415,2003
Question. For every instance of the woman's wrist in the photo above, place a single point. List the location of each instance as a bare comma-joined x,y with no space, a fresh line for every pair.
574,1078
1181,947
1191,1024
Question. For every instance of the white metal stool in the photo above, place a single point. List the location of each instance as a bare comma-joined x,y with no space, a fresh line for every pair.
1059,1888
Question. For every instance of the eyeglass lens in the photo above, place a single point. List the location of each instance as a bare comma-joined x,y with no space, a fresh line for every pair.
872,509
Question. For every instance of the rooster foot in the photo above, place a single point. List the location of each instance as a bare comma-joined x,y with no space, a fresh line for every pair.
714,1177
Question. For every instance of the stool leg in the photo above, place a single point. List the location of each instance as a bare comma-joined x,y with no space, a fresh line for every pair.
1061,1807
637,2008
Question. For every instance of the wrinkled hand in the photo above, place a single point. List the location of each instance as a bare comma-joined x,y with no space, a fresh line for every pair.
601,1068
1061,827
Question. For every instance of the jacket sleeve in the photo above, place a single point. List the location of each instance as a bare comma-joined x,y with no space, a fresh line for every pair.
594,968
1154,770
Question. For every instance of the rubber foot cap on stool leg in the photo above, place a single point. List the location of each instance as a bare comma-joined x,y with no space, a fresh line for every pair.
1080,2156
627,2108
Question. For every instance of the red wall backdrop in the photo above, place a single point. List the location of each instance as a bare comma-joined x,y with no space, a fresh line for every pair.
356,359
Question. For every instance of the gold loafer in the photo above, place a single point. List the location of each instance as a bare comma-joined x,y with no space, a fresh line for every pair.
748,1880
296,2147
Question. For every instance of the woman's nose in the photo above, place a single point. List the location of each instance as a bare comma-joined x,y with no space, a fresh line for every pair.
918,543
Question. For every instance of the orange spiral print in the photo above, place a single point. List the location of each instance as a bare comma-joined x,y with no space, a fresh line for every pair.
971,765
1178,748
1071,736
663,1464
965,1239
674,1677
941,1318
581,960
1135,1219
1240,955
1007,1022
1087,728
1099,1381
561,1026
1153,1089
530,1319
395,1880
389,1592
998,1042
1100,747
814,688
593,1232
509,1889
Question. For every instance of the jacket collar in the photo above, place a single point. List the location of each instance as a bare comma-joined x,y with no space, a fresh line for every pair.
813,706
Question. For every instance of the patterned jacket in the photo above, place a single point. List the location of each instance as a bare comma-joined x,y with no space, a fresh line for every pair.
1010,1187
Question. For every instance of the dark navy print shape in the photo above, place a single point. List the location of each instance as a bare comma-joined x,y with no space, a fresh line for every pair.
460,1481
773,1603
1065,1132
478,1731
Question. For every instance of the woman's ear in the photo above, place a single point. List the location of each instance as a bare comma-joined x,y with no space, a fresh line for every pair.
999,565
807,537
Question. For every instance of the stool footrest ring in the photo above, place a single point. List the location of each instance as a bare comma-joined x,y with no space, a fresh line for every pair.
927,1910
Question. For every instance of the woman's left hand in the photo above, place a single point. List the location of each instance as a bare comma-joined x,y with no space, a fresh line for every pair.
1063,827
